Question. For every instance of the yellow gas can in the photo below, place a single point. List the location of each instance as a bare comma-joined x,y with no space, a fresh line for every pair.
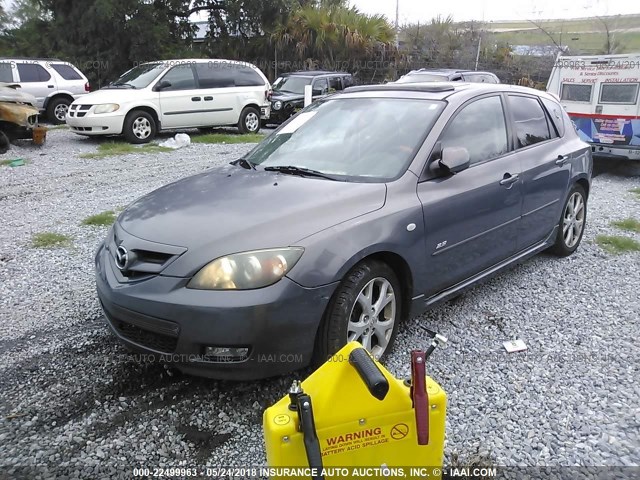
358,435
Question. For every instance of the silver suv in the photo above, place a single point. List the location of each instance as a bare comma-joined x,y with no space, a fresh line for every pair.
54,83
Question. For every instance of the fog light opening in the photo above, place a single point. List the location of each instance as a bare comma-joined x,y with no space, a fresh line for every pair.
225,354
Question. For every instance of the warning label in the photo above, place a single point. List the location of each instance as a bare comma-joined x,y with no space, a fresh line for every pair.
399,431
352,441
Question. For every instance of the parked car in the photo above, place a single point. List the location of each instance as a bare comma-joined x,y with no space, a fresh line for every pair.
342,223
53,82
288,90
18,116
172,94
447,75
601,95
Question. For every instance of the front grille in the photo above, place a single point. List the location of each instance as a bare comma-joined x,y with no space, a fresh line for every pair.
154,341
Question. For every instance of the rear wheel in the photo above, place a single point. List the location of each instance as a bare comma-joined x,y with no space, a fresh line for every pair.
572,221
139,127
249,120
57,110
365,308
4,142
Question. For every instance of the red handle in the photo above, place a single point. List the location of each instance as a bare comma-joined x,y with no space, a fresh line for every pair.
419,395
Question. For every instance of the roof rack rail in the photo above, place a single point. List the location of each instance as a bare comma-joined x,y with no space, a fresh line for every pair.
408,87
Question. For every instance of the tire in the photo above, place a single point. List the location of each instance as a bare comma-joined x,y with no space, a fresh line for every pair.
249,120
5,144
572,223
336,329
139,127
57,110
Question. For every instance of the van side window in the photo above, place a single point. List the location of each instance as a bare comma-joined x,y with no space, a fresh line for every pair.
574,92
6,75
180,77
215,75
31,72
620,93
555,113
480,128
529,119
247,77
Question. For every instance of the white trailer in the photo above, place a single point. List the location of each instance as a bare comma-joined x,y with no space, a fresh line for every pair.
600,94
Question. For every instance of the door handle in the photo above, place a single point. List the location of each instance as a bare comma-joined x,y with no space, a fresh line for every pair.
508,180
562,159
207,99
50,86
195,99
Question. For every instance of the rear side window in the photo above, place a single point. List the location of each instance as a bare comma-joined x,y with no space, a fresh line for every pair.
530,121
555,113
480,128
622,93
247,77
66,72
180,77
335,83
573,92
6,74
31,72
214,75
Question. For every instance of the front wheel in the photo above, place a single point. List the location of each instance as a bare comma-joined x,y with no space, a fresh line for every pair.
249,120
139,127
366,308
572,222
4,142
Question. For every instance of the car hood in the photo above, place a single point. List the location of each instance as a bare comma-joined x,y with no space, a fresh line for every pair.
285,97
230,209
112,95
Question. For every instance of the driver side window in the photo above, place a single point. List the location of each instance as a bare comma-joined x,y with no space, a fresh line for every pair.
480,128
180,77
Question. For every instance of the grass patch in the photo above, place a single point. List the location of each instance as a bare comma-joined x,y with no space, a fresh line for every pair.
227,138
49,240
636,192
101,219
628,224
617,244
109,149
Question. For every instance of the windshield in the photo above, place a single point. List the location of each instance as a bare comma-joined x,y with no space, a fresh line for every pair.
292,85
422,77
138,77
357,139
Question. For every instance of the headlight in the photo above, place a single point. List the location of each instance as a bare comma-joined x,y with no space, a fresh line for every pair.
106,108
277,105
247,270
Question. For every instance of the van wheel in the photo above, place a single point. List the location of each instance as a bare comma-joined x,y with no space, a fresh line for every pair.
139,127
249,120
572,222
4,143
57,110
366,308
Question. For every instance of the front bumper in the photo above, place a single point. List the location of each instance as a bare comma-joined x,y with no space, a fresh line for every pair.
159,316
90,124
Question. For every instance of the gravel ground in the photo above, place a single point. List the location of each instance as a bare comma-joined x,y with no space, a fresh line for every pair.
75,404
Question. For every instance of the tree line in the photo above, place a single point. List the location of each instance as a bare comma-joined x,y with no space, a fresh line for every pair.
104,38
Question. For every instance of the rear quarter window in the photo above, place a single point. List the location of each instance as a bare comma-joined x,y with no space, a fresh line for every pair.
67,72
247,77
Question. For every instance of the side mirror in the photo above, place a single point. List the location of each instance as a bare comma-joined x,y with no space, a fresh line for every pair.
454,159
162,85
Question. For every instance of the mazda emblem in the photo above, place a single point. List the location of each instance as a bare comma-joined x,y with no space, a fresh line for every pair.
122,258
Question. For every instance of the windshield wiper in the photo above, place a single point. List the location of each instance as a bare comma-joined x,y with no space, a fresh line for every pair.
119,84
244,163
303,172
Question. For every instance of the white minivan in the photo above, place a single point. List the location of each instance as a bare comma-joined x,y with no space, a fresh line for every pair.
172,94
601,95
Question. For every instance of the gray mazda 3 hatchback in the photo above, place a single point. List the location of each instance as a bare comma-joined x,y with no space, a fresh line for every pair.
365,208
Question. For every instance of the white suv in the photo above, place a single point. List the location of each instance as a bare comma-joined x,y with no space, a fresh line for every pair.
173,94
54,83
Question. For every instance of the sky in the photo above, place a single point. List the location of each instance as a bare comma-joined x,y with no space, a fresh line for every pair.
412,11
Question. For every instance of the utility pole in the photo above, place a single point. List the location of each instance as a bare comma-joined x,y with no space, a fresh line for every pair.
397,23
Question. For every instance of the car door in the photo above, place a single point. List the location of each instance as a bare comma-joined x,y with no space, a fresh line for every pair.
180,99
471,218
220,96
545,161
34,79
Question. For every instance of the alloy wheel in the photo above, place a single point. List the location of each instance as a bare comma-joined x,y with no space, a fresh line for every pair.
573,220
